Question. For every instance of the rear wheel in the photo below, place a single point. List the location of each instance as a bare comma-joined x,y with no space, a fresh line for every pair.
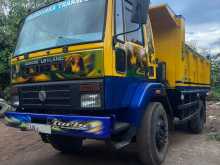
152,137
66,144
196,124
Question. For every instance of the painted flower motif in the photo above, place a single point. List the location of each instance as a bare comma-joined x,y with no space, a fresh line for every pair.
74,63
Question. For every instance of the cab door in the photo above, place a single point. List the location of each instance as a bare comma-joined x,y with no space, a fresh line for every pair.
130,51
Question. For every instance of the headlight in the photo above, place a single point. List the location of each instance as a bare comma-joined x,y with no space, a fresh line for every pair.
90,101
15,97
15,101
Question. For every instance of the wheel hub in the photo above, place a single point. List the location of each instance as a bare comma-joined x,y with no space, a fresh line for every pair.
161,133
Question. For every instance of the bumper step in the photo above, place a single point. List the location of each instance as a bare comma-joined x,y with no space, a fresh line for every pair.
119,127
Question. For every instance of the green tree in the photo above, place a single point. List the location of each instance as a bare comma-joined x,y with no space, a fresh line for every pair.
11,13
215,70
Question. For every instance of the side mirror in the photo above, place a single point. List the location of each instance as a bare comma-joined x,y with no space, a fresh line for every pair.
140,11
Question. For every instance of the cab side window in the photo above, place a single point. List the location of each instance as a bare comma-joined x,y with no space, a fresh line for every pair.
119,19
136,37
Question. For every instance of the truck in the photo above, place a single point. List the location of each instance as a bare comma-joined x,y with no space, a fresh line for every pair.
113,70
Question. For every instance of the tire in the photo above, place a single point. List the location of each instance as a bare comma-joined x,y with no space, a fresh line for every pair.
66,144
196,124
152,137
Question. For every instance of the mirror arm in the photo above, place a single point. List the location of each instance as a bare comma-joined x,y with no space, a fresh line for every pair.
115,38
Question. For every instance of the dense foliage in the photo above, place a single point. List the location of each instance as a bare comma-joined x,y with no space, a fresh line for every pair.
216,76
11,13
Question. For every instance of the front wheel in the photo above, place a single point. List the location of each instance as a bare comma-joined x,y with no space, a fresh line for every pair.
66,144
152,137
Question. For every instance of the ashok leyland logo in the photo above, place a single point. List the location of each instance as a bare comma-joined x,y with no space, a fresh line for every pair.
42,96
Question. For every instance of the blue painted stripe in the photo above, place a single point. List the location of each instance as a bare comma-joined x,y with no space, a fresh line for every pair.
104,127
188,89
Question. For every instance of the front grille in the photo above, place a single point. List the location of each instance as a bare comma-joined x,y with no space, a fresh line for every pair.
61,97
57,96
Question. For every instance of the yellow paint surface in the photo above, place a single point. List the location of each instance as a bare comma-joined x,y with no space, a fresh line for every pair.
183,64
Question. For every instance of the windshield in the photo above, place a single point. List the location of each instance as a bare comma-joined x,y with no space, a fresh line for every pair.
63,23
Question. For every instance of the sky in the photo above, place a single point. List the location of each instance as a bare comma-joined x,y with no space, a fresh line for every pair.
202,22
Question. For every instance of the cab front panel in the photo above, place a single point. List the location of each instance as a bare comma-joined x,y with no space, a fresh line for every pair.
58,67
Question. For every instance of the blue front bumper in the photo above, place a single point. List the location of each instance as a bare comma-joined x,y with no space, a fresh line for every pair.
77,126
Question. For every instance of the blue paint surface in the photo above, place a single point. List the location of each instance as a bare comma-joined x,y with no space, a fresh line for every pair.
193,89
128,97
119,91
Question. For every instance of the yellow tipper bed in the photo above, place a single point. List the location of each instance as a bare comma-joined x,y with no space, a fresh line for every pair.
185,67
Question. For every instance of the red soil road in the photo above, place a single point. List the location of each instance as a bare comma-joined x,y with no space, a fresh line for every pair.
26,148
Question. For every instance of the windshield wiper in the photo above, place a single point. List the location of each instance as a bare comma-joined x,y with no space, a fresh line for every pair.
64,40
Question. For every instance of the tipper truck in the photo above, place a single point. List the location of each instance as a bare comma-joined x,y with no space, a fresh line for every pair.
113,70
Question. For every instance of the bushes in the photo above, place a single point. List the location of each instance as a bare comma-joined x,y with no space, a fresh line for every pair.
215,94
7,93
214,136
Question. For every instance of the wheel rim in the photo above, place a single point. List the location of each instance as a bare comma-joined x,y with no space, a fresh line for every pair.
161,134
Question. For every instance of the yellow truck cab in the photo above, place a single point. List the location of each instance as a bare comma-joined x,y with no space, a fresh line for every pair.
112,70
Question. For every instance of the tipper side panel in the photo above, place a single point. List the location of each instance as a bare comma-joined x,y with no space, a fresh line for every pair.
168,41
184,67
198,69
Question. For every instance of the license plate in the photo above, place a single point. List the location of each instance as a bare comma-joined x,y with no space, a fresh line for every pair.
40,128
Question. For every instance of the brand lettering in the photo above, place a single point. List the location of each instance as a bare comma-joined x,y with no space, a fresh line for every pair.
44,61
55,7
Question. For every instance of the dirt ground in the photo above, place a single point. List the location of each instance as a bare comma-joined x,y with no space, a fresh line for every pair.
26,148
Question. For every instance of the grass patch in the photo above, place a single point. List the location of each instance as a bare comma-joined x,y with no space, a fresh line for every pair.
215,94
215,136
